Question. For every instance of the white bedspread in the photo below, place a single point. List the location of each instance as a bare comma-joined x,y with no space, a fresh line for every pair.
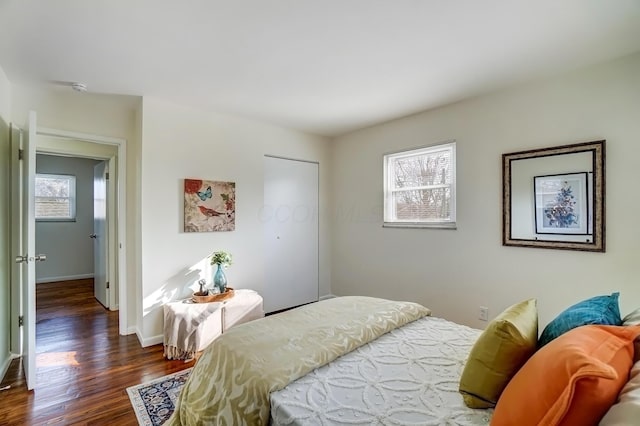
409,376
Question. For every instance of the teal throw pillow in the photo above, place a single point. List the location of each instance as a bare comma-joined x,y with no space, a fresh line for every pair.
603,310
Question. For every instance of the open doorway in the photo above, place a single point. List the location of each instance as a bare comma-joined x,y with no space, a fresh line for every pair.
75,214
72,294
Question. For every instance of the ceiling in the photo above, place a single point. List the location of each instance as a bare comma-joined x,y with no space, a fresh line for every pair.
320,66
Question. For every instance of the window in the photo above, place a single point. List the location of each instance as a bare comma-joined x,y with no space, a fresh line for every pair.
55,197
420,187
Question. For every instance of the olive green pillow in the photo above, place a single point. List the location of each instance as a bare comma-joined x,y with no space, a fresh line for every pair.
504,346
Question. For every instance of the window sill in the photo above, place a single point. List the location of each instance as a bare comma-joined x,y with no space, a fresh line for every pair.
448,225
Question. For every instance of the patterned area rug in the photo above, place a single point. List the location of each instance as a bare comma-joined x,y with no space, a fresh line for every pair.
154,402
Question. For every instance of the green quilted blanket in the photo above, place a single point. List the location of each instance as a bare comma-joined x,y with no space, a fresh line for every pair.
232,380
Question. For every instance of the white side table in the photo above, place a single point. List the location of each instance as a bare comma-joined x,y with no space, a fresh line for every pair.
191,327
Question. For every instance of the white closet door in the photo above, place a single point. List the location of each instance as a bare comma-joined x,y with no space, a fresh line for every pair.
290,218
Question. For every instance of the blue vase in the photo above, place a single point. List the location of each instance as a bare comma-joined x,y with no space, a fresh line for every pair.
220,279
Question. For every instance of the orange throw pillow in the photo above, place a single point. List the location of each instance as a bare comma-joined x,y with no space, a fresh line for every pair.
573,380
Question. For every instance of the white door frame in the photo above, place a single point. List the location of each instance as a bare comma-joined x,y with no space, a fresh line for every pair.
16,242
119,222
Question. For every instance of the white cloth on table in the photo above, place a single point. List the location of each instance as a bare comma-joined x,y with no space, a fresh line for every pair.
181,323
191,327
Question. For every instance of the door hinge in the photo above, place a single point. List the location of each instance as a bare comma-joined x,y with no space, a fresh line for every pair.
106,176
107,285
20,154
20,321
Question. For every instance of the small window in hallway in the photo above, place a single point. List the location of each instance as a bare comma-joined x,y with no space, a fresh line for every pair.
55,197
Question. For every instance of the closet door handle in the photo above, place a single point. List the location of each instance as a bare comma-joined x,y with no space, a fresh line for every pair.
94,236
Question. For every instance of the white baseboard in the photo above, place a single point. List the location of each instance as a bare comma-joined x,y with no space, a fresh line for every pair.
5,365
149,341
40,280
327,296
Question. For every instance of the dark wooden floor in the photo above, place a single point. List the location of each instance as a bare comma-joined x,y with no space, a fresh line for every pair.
83,365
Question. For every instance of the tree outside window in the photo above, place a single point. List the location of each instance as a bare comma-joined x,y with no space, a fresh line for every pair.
55,197
420,187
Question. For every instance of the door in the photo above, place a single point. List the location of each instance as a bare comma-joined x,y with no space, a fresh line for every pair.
28,257
290,217
100,240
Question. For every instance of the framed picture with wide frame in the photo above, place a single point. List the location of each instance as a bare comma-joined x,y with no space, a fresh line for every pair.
555,197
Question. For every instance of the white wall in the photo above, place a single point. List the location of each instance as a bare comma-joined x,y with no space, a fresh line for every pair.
5,113
180,142
103,115
5,97
67,245
455,271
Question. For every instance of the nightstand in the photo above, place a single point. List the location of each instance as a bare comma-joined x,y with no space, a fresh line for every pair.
191,327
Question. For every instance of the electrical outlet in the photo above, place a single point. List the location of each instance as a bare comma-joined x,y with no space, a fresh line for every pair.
484,313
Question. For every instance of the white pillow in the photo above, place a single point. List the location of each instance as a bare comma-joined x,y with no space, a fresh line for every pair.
627,410
632,319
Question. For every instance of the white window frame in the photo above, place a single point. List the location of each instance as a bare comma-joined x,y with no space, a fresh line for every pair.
72,198
390,219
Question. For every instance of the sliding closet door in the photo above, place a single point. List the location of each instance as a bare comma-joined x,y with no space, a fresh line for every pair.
290,218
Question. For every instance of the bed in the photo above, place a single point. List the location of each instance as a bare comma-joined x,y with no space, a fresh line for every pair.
408,376
348,360
362,360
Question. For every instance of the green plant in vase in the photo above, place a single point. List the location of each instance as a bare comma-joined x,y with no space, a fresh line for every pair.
223,260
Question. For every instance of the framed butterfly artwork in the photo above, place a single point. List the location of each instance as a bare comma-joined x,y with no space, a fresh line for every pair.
209,205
